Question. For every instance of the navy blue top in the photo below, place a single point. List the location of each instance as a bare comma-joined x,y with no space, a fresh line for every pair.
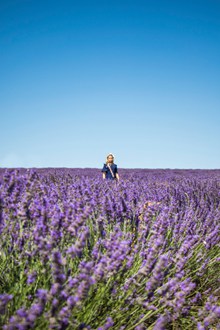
107,171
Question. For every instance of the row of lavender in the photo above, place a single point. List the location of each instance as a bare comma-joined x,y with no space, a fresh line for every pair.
76,254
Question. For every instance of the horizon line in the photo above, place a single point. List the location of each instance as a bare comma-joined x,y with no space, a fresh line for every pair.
120,168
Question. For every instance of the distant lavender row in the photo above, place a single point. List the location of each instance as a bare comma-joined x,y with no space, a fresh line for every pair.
125,171
77,252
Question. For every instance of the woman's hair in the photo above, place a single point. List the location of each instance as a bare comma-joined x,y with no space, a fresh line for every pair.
108,156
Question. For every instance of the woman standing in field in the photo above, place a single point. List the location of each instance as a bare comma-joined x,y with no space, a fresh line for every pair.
110,169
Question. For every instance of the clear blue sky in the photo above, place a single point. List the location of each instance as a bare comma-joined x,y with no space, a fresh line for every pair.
80,79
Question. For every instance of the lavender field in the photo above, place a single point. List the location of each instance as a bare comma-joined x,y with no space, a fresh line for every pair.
77,252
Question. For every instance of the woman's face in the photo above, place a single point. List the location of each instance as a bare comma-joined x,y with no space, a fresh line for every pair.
110,159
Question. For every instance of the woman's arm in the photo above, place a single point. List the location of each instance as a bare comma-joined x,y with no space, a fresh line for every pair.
116,172
104,170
